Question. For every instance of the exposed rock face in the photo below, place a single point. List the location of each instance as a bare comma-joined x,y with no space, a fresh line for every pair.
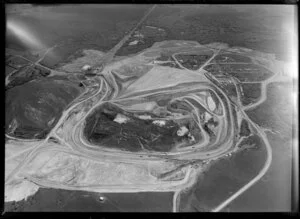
20,191
109,127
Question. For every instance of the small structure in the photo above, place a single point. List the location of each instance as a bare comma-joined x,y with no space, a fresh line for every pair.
145,117
101,198
43,71
182,131
138,34
121,119
133,43
86,68
159,122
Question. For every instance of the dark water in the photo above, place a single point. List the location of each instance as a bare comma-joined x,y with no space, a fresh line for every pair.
223,178
58,200
273,192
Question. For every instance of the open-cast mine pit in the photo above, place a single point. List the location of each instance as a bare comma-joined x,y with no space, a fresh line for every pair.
158,130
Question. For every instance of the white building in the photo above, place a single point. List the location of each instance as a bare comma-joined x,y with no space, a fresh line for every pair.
133,43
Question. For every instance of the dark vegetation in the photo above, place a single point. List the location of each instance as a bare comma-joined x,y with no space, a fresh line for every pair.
33,108
146,37
14,57
231,57
252,92
192,62
243,72
72,28
9,69
170,64
15,61
230,90
26,74
33,105
244,129
101,27
134,135
252,27
252,141
164,57
24,70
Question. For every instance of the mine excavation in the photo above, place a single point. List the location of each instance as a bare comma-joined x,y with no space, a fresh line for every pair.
112,127
150,107
244,72
158,123
144,131
151,131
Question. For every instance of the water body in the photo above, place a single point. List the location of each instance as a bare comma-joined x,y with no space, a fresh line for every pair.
59,200
223,178
274,191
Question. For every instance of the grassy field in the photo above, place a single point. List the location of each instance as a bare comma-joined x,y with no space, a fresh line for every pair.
74,27
243,72
229,57
264,28
133,135
32,109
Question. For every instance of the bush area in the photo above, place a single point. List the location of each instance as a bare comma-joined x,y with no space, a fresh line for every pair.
134,134
27,74
251,28
252,92
192,62
229,89
33,108
244,128
243,72
253,141
230,57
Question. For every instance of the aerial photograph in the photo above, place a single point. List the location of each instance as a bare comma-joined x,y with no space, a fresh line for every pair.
151,108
